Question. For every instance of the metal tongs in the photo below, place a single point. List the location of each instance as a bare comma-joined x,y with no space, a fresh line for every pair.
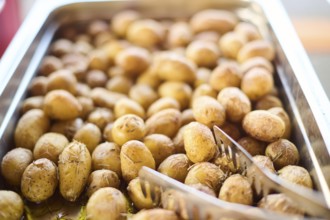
190,203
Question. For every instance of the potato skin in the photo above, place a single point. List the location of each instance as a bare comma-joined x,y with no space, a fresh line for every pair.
39,180
180,91
252,146
297,175
14,163
74,168
136,195
134,155
256,48
280,112
128,106
175,166
159,214
90,135
101,178
106,203
199,142
263,125
161,104
30,127
11,205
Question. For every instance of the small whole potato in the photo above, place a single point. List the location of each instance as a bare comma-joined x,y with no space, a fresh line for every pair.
175,166
208,111
61,47
111,50
61,105
230,44
90,135
179,35
143,94
50,146
149,78
236,103
87,105
128,106
177,90
77,64
225,75
74,167
146,33
256,48
135,193
280,112
252,146
107,156
96,78
260,62
160,147
167,122
173,67
96,26
211,36
133,156
237,189
282,153
297,175
101,117
280,203
107,132
98,60
120,84
203,53
11,205
30,127
220,21
268,101
157,213
34,102
133,60
161,104
248,31
263,125
101,178
105,98
199,142
204,90
106,203
122,20
265,163
39,180
67,128
207,174
233,130
14,163
38,86
62,79
128,127
187,116
202,77
49,65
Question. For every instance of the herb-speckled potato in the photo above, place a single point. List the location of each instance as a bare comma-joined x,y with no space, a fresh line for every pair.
90,135
106,203
134,155
39,180
101,178
11,205
199,142
14,163
297,175
159,214
107,156
175,166
30,127
74,168
136,195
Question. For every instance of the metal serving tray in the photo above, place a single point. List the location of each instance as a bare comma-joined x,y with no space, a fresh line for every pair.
300,89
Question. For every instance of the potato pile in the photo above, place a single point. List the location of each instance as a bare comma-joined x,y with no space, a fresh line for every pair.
113,97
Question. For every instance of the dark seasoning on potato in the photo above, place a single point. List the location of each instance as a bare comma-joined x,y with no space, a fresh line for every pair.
110,98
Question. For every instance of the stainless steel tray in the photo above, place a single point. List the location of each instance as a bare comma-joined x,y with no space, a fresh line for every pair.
301,92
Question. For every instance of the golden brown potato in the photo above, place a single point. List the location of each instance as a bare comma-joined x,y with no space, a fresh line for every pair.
160,147
128,106
11,205
62,79
179,34
39,180
100,179
90,135
135,193
237,189
175,166
107,132
38,86
67,128
161,104
257,62
107,156
248,31
133,156
208,111
206,173
196,135
267,102
106,203
120,84
50,64
74,167
146,33
50,146
204,90
203,53
112,48
252,146
282,153
157,213
256,48
105,98
225,75
133,60
61,105
230,44
202,77
177,90
236,103
14,163
34,102
149,78
174,67
263,125
30,127
297,175
167,122
87,105
143,94
233,130
96,78
128,127
280,112
61,47
122,20
77,64
98,60
220,21
101,117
